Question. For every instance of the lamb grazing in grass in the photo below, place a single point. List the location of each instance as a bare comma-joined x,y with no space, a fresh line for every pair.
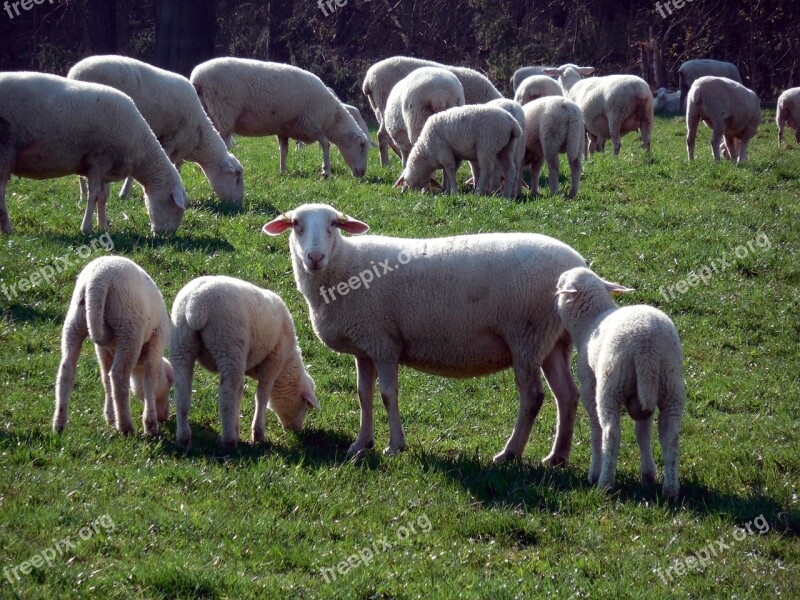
788,113
169,104
568,75
535,87
732,111
235,329
484,135
257,98
118,306
523,73
553,125
515,110
613,106
667,102
456,307
422,93
627,356
52,126
692,70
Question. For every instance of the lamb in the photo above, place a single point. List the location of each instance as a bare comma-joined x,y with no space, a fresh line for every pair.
667,102
628,356
235,329
692,70
553,125
613,106
384,75
169,104
788,113
731,111
484,135
51,127
420,94
118,306
523,73
535,87
257,98
568,75
515,110
459,306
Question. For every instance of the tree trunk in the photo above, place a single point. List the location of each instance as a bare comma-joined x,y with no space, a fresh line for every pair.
185,33
102,26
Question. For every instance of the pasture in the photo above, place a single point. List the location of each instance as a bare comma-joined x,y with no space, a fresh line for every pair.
282,519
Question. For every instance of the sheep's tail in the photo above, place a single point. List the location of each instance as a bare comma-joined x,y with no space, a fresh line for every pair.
647,381
195,312
95,294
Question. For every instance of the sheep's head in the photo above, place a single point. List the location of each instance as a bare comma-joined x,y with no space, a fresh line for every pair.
315,231
226,178
568,75
166,208
166,378
579,291
290,400
354,151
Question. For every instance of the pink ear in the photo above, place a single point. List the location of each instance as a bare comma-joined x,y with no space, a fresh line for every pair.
400,182
551,72
351,225
278,225
169,373
616,289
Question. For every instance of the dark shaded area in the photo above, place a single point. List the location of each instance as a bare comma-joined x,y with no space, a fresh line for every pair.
184,34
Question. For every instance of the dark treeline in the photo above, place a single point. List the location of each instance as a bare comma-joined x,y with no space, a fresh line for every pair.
339,42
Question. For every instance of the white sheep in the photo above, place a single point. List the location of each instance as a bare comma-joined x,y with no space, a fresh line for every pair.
118,306
668,102
627,356
613,106
535,87
356,114
484,135
257,98
732,111
692,70
523,73
235,329
384,75
422,93
53,126
169,104
568,75
788,113
515,110
553,125
460,306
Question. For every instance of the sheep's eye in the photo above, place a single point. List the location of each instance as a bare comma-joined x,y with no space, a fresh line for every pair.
295,222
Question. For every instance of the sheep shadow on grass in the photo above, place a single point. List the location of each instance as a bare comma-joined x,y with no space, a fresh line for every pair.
126,243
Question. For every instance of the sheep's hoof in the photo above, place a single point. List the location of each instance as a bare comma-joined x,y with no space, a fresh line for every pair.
648,479
358,448
504,456
58,428
127,430
258,437
670,491
151,429
184,440
230,444
394,450
555,460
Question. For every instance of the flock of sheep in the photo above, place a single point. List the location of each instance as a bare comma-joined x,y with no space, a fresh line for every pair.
462,306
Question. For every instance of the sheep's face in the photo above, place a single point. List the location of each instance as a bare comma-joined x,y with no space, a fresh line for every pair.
315,229
291,404
166,209
580,290
354,152
568,75
227,180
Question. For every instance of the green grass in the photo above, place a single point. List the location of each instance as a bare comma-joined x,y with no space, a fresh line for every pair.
264,521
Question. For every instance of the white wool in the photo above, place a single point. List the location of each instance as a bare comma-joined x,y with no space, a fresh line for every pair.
692,70
515,110
667,102
523,73
788,113
535,87
568,75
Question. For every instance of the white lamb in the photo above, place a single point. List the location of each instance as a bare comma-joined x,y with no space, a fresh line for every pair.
515,110
484,135
692,70
523,73
169,104
627,356
384,75
732,111
553,125
460,306
235,329
118,306
613,106
667,102
53,126
788,113
535,87
568,75
422,93
257,98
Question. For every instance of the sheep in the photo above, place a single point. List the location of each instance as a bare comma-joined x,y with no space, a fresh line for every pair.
628,356
235,329
667,102
788,113
536,86
169,104
257,98
553,125
568,75
52,126
523,73
731,111
356,114
613,106
459,306
515,110
420,94
118,306
691,70
484,135
384,75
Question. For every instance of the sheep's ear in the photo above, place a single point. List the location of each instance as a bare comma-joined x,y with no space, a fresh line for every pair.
616,289
169,373
310,398
278,225
585,70
179,196
551,72
229,165
570,291
400,182
351,225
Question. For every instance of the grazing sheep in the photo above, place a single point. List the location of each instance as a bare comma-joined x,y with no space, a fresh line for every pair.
235,329
613,106
523,73
553,125
535,87
356,114
732,111
788,113
169,104
627,356
384,75
692,70
483,135
515,110
460,306
422,93
667,102
52,126
568,75
257,98
118,306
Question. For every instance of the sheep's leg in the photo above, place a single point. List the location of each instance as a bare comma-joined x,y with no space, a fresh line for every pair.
484,175
102,219
124,359
366,392
383,144
716,140
283,143
231,388
644,438
449,171
741,150
95,190
575,172
608,413
126,188
387,378
75,332
5,222
326,156
797,135
646,129
669,426
105,358
268,373
589,401
151,362
536,170
692,121
730,145
553,169
531,396
616,140
184,373
557,372
83,184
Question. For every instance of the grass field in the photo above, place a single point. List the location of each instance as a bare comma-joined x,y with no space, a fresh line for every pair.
281,519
